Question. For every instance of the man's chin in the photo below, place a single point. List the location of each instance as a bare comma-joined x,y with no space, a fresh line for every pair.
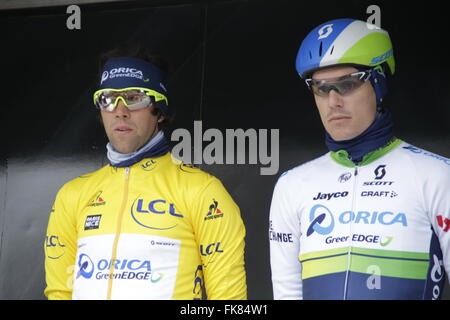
342,136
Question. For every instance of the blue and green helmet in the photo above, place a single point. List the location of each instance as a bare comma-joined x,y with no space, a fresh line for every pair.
345,41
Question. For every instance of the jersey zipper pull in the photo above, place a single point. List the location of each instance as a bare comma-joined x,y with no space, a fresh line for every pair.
355,163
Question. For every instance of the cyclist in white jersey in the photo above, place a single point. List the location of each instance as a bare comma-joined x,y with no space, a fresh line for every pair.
371,218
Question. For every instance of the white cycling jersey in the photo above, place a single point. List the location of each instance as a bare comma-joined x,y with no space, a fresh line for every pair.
378,230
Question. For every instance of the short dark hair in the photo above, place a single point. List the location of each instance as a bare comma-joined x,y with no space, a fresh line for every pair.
146,54
135,51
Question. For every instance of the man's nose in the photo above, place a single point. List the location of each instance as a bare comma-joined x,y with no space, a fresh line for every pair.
121,110
334,99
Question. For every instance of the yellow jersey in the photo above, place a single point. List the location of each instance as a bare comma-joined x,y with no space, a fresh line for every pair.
159,229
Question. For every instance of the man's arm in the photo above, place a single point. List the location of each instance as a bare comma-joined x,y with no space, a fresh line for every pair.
284,236
220,235
60,248
437,201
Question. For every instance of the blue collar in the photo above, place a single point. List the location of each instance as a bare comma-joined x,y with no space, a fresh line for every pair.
157,146
378,134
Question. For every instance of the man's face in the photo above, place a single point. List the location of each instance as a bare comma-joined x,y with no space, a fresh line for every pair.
127,130
345,117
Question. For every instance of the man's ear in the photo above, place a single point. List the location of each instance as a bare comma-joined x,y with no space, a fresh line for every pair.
161,118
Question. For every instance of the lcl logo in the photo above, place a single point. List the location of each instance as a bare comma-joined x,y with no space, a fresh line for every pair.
210,249
154,214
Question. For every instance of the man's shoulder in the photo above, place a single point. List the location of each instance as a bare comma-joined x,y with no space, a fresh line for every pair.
185,172
189,178
81,180
423,158
307,168
428,166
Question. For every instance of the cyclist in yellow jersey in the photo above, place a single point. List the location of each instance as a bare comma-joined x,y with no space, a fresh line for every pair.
146,226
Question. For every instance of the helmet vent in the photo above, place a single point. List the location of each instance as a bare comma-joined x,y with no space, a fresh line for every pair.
332,48
320,48
310,54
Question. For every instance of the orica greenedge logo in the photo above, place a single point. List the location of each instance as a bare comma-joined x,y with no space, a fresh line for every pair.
322,221
316,221
127,269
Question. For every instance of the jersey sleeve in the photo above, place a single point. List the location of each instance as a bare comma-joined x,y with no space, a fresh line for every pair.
220,232
436,190
60,248
284,236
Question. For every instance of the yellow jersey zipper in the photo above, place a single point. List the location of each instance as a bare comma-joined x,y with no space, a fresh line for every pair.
118,230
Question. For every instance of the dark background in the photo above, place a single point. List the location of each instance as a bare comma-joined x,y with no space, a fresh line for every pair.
232,66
